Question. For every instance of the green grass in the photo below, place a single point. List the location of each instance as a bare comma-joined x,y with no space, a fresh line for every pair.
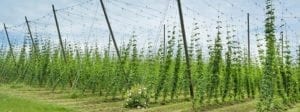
241,107
15,104
296,109
27,99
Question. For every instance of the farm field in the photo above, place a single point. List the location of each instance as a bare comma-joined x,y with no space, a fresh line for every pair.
22,98
12,103
150,56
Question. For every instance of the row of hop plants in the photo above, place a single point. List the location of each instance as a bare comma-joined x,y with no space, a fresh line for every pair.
279,84
89,69
144,75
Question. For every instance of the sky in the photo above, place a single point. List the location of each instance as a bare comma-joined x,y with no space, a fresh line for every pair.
82,21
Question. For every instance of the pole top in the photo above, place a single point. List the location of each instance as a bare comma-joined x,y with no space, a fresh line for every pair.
53,7
26,19
4,25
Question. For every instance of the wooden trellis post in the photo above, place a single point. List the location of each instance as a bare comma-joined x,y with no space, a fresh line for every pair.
188,67
9,43
110,30
30,34
59,35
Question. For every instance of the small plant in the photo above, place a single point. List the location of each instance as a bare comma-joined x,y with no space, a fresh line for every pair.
74,95
137,97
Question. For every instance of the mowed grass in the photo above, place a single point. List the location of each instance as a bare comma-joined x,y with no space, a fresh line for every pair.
16,104
21,98
296,109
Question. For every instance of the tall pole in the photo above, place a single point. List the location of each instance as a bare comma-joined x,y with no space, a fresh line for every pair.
9,43
164,41
59,35
114,41
110,29
109,42
188,67
248,24
299,54
282,44
30,34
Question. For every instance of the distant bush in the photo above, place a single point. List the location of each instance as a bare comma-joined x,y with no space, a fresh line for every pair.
137,97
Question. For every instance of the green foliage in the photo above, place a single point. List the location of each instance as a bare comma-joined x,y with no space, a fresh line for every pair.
291,80
216,68
266,101
137,97
177,69
228,69
201,77
298,67
166,67
99,71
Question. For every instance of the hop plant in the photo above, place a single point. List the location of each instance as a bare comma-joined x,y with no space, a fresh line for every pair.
267,89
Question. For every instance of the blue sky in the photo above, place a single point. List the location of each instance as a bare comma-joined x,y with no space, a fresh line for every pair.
83,21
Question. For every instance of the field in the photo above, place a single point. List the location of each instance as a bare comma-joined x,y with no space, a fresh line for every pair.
21,98
12,103
26,98
189,66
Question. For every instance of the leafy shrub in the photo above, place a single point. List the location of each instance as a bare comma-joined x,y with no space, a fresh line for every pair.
137,97
74,95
